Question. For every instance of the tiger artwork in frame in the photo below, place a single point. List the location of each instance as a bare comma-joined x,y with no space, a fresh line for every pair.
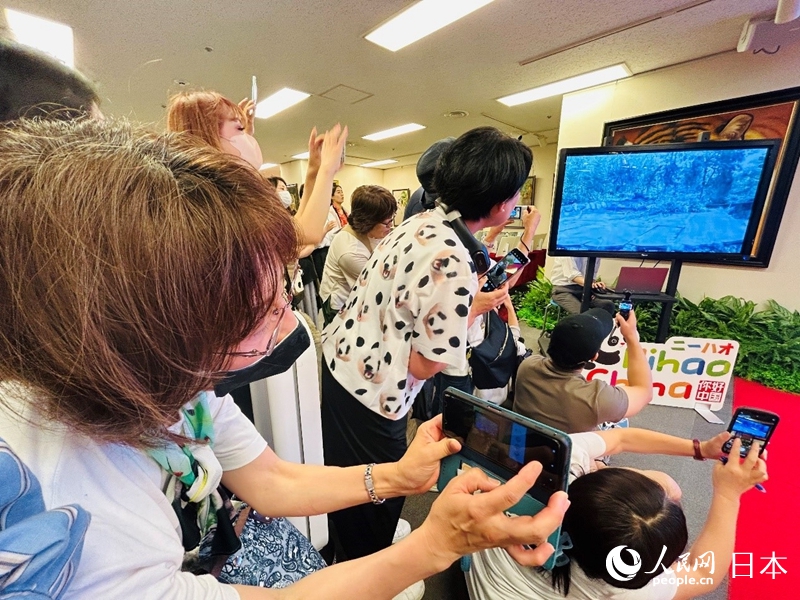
772,115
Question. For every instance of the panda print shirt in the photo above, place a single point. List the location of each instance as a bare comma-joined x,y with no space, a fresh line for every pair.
414,294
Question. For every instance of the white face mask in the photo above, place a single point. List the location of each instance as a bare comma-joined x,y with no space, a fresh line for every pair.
286,198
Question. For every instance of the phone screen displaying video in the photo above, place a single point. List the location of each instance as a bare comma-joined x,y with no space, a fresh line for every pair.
516,213
749,428
507,444
513,262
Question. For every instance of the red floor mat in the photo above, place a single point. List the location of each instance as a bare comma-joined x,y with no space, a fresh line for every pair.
771,522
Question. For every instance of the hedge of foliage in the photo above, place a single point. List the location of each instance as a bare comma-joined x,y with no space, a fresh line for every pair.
769,337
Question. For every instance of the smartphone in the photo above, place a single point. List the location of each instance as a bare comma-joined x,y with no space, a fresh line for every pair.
254,90
502,442
751,424
506,267
516,213
625,306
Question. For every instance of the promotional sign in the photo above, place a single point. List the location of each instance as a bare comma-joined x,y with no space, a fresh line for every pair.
685,370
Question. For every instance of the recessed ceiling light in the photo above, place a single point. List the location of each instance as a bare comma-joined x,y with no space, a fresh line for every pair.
572,84
382,135
456,114
421,19
267,166
301,156
50,37
279,101
379,163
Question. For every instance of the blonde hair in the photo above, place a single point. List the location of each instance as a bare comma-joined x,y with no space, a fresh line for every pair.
129,262
201,114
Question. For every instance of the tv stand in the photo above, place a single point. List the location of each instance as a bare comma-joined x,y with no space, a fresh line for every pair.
667,299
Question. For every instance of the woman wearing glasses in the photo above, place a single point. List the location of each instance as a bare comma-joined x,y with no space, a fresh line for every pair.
136,272
371,219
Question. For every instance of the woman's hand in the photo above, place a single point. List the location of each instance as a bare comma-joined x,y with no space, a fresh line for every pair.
315,150
461,522
333,149
486,301
418,470
530,218
330,225
736,476
712,449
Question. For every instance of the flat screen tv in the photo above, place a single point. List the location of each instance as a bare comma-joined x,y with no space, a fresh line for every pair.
698,202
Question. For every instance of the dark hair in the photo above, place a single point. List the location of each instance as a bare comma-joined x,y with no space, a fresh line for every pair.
333,189
370,205
620,507
129,263
482,168
275,179
33,84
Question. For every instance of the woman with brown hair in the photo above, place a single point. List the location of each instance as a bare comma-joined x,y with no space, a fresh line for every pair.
230,127
371,219
138,271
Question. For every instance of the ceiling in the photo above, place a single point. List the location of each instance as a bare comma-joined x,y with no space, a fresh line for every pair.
141,51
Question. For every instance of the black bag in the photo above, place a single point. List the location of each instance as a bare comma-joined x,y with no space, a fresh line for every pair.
494,360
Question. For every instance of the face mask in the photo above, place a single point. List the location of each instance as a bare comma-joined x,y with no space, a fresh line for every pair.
245,146
282,358
286,198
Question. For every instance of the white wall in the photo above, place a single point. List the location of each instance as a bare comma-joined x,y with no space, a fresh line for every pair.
725,76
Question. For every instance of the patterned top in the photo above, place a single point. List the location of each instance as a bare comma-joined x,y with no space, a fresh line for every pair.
414,294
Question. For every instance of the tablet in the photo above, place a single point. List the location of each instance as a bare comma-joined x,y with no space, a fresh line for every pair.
501,442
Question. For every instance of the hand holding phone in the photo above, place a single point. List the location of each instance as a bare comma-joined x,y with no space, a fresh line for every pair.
506,267
749,425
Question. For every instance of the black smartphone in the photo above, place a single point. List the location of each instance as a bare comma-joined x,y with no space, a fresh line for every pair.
751,424
502,441
516,213
506,267
625,306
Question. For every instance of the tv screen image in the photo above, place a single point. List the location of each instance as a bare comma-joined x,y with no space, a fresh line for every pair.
668,201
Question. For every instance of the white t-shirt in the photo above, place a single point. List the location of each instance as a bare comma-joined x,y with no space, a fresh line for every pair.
133,546
414,294
494,575
333,217
347,257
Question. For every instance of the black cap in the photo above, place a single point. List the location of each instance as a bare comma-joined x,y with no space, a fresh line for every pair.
426,165
577,338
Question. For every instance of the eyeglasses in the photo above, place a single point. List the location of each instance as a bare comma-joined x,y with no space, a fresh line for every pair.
388,222
273,340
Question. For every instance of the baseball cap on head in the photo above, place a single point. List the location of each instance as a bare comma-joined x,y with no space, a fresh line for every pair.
577,338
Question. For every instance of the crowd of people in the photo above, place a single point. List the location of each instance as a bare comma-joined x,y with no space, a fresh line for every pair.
146,275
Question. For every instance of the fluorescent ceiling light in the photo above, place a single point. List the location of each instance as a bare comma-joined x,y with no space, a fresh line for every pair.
379,163
382,135
301,156
48,36
572,84
421,19
280,100
268,166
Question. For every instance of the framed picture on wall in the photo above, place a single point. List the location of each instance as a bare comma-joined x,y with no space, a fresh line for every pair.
526,193
292,189
772,115
402,196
